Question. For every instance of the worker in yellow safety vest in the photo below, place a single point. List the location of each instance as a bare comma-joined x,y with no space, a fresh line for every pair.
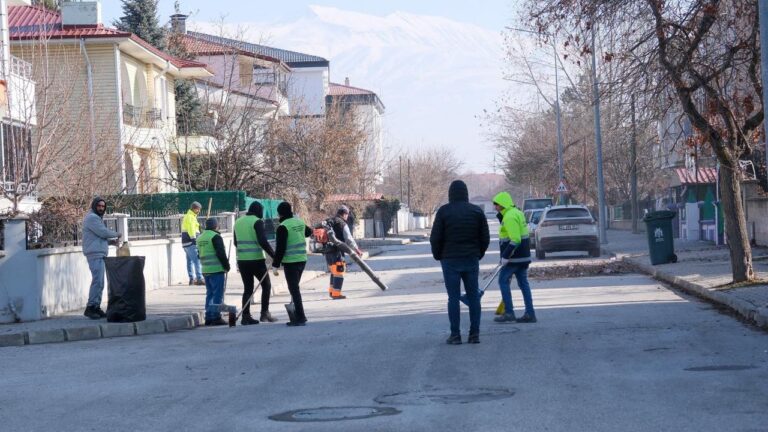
291,253
215,266
252,245
514,243
190,228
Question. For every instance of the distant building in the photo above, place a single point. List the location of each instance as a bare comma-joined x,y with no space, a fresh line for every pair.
368,111
305,82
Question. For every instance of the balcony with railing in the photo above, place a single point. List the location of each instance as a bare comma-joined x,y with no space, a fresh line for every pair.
21,93
142,117
21,68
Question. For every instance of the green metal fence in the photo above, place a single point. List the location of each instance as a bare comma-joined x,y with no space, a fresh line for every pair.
149,205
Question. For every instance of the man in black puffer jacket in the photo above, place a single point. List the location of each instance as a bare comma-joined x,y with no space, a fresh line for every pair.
459,240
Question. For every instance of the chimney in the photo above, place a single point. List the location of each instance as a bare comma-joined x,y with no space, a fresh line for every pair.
81,13
179,23
346,81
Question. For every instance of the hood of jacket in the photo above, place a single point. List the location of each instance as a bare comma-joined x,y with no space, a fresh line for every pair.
256,209
95,201
458,192
284,210
504,199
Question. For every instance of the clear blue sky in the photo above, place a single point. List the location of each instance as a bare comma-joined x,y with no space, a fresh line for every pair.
492,14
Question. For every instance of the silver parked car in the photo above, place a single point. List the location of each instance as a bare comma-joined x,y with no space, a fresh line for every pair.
532,217
567,228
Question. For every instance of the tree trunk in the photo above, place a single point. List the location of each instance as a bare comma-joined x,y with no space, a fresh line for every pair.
735,224
633,170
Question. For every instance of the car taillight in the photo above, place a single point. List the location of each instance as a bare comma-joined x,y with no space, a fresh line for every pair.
547,223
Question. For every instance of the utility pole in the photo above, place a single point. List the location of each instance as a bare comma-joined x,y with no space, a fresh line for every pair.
633,170
602,214
762,6
401,178
409,184
560,170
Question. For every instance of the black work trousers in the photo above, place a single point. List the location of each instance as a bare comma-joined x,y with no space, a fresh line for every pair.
293,273
251,271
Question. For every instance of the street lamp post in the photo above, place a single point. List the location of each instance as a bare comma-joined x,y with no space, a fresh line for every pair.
602,213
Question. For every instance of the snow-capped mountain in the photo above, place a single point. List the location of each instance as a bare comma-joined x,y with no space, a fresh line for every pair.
435,75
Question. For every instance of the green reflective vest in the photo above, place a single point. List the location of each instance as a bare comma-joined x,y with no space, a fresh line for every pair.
248,248
296,246
208,258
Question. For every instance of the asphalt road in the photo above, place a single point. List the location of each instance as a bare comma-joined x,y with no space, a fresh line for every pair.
609,353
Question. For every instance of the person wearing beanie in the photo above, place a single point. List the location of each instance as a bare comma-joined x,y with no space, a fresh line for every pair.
252,245
190,228
291,253
459,239
96,238
334,257
215,265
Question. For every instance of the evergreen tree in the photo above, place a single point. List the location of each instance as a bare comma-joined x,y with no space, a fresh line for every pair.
140,18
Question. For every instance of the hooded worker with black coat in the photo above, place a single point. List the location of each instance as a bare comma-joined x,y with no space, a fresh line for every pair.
291,253
252,246
459,240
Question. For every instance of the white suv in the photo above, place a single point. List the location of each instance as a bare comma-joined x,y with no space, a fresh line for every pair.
567,228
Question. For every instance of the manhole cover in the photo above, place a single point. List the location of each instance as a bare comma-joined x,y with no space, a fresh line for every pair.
720,368
445,396
328,414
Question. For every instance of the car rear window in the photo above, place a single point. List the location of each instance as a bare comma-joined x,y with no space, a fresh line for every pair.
535,216
568,213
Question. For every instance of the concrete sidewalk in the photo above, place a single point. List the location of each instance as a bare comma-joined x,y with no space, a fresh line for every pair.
172,308
403,238
702,269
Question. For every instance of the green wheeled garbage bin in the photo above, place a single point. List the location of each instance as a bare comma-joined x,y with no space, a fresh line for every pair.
658,225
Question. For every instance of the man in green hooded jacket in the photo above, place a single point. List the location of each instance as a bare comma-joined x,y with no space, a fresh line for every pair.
515,257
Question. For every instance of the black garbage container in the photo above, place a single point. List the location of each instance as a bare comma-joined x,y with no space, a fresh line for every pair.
658,226
125,278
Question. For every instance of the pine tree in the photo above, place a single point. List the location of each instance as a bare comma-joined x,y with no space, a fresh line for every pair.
140,18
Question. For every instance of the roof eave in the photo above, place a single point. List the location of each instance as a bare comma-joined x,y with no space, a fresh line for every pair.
194,72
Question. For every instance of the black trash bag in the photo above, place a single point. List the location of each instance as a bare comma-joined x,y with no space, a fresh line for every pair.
125,276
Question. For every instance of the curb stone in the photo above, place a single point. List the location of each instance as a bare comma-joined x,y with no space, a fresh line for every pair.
102,331
15,339
45,336
117,330
83,333
178,323
150,327
758,316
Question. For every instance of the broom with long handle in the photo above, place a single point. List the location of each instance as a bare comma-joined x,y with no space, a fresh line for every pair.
463,297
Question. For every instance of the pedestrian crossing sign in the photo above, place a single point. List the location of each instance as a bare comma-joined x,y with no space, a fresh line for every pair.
561,188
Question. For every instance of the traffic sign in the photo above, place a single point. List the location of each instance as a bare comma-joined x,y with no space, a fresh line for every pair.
561,188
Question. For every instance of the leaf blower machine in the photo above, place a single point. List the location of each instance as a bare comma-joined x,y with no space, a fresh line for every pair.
325,239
